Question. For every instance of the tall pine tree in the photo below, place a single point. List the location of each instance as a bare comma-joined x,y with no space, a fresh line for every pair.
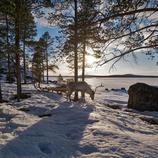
28,31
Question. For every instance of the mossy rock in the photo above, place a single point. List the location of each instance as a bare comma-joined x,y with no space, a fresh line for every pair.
143,97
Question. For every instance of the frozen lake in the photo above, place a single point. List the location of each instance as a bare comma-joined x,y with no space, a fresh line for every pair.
121,82
117,82
113,97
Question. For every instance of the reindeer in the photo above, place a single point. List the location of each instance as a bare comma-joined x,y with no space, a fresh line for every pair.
83,87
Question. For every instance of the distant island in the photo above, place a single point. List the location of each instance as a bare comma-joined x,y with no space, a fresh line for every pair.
108,76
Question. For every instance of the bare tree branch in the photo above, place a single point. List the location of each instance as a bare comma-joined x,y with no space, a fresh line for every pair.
106,18
127,52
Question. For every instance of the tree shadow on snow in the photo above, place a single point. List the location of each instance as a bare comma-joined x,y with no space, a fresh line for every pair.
111,101
51,95
57,136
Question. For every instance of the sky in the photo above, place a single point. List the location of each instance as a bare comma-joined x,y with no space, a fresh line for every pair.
143,66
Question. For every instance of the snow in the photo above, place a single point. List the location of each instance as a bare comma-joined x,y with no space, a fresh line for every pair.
111,97
120,82
47,126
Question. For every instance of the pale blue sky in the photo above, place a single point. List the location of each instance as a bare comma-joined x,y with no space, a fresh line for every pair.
144,66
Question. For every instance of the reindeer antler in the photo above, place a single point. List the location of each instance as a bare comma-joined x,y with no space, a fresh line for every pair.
101,85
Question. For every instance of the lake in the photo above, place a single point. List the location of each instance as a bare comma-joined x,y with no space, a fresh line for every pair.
116,82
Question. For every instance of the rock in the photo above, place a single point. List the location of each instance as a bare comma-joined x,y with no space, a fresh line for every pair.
143,97
123,89
115,90
106,89
119,90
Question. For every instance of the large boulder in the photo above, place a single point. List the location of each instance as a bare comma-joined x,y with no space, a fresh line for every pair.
143,97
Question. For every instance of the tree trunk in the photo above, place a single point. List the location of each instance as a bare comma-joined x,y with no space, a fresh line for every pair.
8,55
17,46
1,100
47,63
43,70
75,51
24,59
32,74
83,62
83,66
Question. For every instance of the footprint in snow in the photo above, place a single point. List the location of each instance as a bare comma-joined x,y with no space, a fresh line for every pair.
45,148
73,134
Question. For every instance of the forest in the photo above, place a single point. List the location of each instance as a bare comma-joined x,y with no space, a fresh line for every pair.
46,117
112,29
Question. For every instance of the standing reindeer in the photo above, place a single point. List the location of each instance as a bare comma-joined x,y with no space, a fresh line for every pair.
83,87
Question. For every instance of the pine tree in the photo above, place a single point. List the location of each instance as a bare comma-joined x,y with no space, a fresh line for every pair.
90,32
60,78
47,46
129,29
18,6
1,72
79,26
64,22
7,11
17,12
28,29
37,61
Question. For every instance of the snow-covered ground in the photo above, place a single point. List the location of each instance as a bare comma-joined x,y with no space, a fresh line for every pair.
47,126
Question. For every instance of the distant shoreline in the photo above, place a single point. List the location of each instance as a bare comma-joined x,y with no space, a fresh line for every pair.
114,76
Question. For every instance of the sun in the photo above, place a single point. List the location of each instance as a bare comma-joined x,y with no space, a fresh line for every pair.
90,59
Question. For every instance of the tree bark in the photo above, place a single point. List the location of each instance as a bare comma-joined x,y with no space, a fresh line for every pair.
83,61
83,66
8,55
24,59
1,100
75,51
47,61
17,46
43,68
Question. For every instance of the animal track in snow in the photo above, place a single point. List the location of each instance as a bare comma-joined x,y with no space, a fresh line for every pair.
45,148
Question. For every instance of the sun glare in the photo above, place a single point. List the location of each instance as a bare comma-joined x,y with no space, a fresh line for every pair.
90,59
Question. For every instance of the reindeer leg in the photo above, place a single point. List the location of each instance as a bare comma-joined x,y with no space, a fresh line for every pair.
70,96
82,96
67,96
